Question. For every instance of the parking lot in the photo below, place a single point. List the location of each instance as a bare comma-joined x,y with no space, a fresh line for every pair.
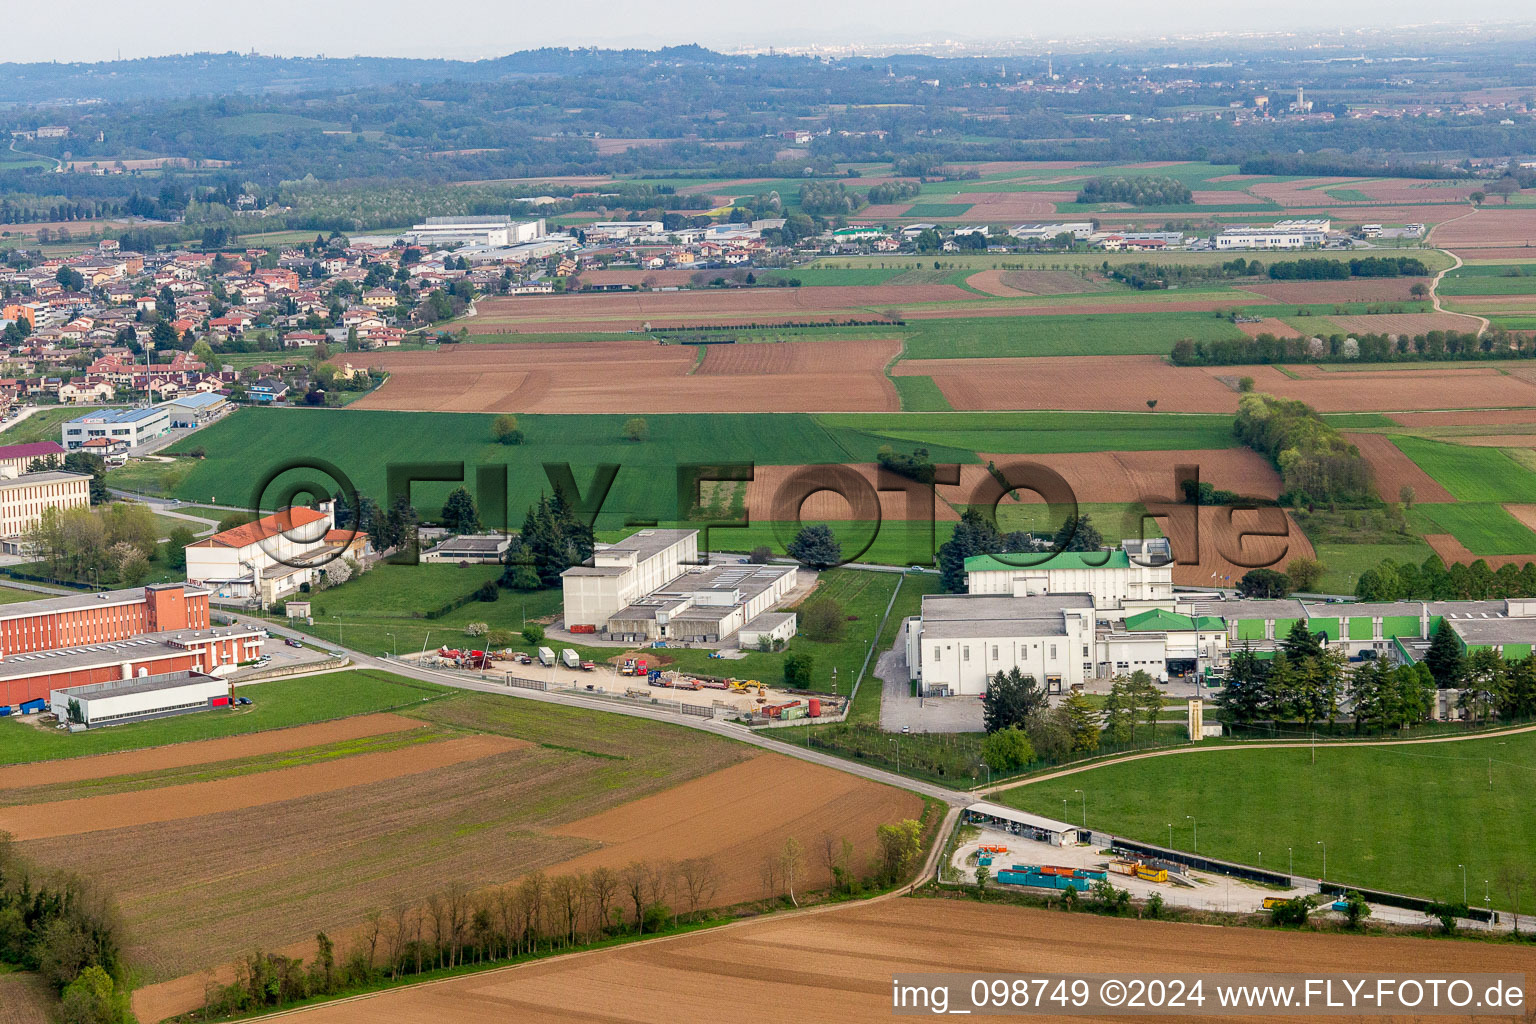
280,656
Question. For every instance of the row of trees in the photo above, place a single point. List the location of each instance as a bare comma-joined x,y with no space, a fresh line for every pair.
1316,462
553,539
1138,190
1433,581
977,535
1266,349
1320,268
544,913
1022,726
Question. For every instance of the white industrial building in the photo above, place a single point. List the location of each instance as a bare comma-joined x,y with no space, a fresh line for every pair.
1134,577
617,230
271,557
137,698
960,641
1078,229
1285,234
134,426
652,586
25,497
446,232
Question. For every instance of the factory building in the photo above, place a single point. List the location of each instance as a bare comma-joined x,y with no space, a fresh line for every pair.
1137,576
960,641
448,232
138,699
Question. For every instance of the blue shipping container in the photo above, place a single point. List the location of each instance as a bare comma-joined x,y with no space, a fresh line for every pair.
1097,876
32,706
5,710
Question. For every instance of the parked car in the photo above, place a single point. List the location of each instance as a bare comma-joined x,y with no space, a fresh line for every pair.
243,701
291,642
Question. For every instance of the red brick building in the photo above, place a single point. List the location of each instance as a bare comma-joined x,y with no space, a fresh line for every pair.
76,639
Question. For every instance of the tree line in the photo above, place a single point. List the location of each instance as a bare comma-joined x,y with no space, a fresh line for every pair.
1324,269
1391,580
1266,349
543,913
1137,190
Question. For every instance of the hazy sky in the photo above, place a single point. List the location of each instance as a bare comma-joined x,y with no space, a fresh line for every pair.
100,29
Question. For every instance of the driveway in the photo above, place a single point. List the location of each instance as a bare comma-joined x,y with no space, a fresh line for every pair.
899,708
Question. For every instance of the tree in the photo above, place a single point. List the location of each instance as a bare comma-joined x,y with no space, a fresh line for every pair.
1444,657
636,429
1077,533
1265,583
1246,695
899,843
1356,910
533,634
1405,494
1300,642
1083,721
1120,711
759,555
815,546
460,515
1148,699
983,875
797,670
791,860
93,466
129,564
1012,700
1305,572
822,618
94,998
505,430
973,535
1292,911
1007,750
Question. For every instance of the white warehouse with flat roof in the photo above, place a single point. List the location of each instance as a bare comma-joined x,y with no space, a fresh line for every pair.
961,640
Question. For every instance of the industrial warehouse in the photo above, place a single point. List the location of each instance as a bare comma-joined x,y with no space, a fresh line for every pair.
138,699
81,639
652,586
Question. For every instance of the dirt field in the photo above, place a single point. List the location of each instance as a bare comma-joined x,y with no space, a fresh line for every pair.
628,309
1526,514
1394,387
1228,543
198,799
25,999
1010,207
1493,227
179,755
1270,325
1476,417
1365,289
837,965
640,377
1031,282
1404,323
734,815
663,278
1452,550
1393,469
1496,440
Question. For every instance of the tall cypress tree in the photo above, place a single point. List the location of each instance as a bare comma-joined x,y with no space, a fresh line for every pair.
1444,658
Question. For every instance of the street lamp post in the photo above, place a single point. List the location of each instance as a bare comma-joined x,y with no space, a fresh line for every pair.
989,771
393,646
1463,883
1085,806
1191,817
897,744
338,629
1170,835
1290,859
1325,857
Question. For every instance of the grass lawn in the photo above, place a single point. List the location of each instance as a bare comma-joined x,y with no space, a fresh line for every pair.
1471,473
44,425
1062,335
1484,527
909,600
925,210
275,705
920,394
10,595
1345,562
1490,279
1031,432
1395,818
150,476
1114,520
383,611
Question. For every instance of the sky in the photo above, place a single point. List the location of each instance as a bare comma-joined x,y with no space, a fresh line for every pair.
469,29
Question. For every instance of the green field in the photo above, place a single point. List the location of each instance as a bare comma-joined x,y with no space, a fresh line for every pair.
920,394
1471,473
1395,818
362,443
1490,279
43,425
275,705
924,211
1484,527
384,610
1062,335
1345,562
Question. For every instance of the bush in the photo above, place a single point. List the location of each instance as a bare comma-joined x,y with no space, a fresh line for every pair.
476,629
533,634
499,638
822,619
488,591
797,671
759,555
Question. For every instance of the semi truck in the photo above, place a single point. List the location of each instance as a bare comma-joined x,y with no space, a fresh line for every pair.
546,657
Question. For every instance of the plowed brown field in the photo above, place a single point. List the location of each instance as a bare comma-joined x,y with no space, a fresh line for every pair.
627,309
1526,514
1365,289
637,277
144,807
837,965
1404,323
1010,206
180,755
1393,470
1474,417
1492,227
1226,543
1123,383
26,999
1452,550
1031,282
1269,325
709,817
639,377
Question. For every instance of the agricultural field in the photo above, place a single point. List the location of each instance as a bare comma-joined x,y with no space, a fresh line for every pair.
1471,473
44,425
331,822
1484,528
855,946
1399,818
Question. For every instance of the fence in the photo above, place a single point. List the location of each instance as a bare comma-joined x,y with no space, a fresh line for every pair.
526,684
676,707
1191,860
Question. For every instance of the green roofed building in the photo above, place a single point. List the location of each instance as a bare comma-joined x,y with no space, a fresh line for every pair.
1135,577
